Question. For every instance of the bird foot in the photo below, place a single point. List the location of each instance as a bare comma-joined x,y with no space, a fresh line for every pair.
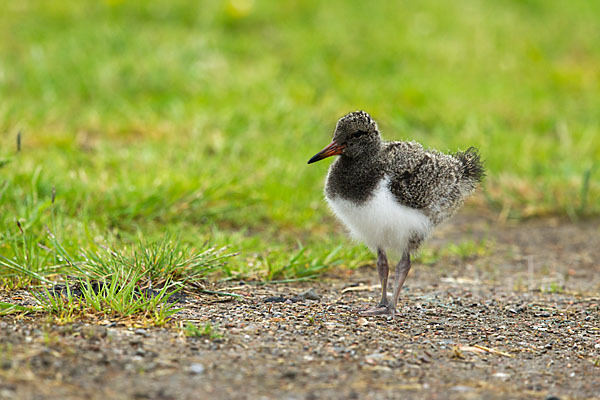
379,310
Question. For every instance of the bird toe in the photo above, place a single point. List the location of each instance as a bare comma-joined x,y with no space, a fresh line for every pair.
379,310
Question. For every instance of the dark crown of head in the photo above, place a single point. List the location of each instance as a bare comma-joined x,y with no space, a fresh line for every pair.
358,120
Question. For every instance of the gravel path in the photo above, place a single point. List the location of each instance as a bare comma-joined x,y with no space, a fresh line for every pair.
521,319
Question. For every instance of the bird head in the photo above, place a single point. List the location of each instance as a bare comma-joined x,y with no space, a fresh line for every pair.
355,134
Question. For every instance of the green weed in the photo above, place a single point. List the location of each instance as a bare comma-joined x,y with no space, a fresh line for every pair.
113,284
9,308
65,307
207,331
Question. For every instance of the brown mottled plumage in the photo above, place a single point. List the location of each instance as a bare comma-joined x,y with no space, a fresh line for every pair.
390,195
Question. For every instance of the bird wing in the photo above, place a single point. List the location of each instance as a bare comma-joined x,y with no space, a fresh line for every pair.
423,179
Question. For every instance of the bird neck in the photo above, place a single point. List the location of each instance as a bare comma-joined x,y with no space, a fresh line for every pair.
354,178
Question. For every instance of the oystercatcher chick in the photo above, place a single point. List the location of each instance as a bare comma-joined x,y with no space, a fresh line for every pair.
391,195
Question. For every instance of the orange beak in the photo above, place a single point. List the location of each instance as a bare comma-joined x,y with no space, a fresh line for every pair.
333,149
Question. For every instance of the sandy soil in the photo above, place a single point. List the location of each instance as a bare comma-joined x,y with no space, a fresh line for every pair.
520,319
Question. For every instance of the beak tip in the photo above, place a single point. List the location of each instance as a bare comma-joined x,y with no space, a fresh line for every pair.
332,150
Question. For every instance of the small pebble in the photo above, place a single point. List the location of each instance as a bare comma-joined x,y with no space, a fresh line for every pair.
460,388
196,368
501,375
374,358
275,299
142,332
309,295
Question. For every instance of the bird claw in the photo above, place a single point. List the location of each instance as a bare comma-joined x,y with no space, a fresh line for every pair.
379,310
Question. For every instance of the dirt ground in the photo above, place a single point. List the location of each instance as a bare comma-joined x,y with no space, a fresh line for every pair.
520,319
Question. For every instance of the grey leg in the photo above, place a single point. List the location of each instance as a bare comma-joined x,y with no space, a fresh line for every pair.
401,272
383,271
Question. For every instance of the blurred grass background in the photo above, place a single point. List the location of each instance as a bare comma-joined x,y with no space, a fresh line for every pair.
197,118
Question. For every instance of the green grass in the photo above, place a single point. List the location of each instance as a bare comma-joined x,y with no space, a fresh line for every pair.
109,283
207,331
107,298
196,119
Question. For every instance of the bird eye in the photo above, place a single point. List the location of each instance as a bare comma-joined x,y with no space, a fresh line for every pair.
359,134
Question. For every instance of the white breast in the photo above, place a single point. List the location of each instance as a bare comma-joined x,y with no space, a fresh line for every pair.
381,221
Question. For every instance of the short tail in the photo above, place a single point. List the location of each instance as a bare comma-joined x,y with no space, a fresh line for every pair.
472,165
